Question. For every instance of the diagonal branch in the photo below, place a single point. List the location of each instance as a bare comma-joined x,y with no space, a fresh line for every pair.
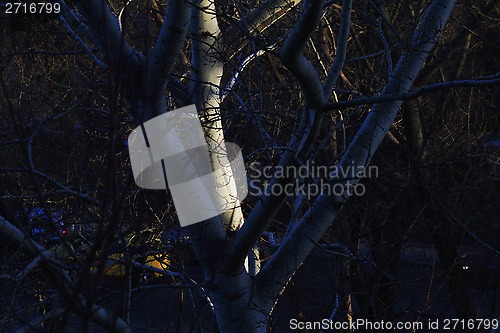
269,204
74,19
431,88
341,50
295,248
293,251
63,189
68,15
167,49
294,60
254,23
105,32
53,267
262,17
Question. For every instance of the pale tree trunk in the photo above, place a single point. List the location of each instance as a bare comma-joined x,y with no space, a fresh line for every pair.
205,89
232,290
234,304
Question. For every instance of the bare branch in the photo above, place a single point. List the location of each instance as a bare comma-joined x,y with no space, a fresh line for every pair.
292,58
167,49
82,43
295,248
105,32
74,19
28,268
232,81
266,14
63,188
490,80
255,22
36,323
341,50
62,281
267,207
295,62
276,273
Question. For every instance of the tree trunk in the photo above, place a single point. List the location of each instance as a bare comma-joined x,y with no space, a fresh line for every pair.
234,308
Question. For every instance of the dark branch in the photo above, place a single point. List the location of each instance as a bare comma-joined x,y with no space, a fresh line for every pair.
480,82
